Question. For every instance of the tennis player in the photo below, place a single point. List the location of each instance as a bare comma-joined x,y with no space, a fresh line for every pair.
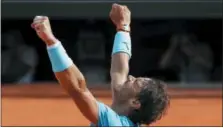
136,101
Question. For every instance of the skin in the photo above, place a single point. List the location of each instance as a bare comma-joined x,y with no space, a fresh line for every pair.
73,81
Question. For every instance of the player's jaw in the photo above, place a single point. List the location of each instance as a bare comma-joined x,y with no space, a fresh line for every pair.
136,84
131,88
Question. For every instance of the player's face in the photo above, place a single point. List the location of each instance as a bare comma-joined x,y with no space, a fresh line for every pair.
133,86
136,83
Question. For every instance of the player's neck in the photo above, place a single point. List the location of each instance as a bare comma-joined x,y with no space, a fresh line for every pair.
120,109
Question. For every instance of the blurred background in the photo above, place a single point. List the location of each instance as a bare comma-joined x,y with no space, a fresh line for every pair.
178,41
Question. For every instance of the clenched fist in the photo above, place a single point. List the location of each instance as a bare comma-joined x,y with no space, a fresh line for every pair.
121,17
41,24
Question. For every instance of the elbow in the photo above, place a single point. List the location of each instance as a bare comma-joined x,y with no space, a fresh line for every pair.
123,71
71,83
74,88
118,73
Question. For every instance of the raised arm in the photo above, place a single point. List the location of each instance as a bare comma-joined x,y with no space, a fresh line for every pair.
121,53
67,74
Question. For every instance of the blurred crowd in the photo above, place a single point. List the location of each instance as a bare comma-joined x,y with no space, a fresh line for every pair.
167,49
18,59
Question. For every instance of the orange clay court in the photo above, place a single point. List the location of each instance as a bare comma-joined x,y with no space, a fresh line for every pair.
48,105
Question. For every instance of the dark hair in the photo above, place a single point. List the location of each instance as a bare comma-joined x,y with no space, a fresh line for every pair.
154,103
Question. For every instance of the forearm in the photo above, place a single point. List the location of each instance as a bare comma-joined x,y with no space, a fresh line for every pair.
68,75
120,63
121,54
71,80
119,69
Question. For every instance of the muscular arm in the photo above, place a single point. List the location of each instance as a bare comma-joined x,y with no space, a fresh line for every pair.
72,80
121,53
120,64
119,69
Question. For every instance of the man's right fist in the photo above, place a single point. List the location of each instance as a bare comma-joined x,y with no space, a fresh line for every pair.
120,16
41,25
